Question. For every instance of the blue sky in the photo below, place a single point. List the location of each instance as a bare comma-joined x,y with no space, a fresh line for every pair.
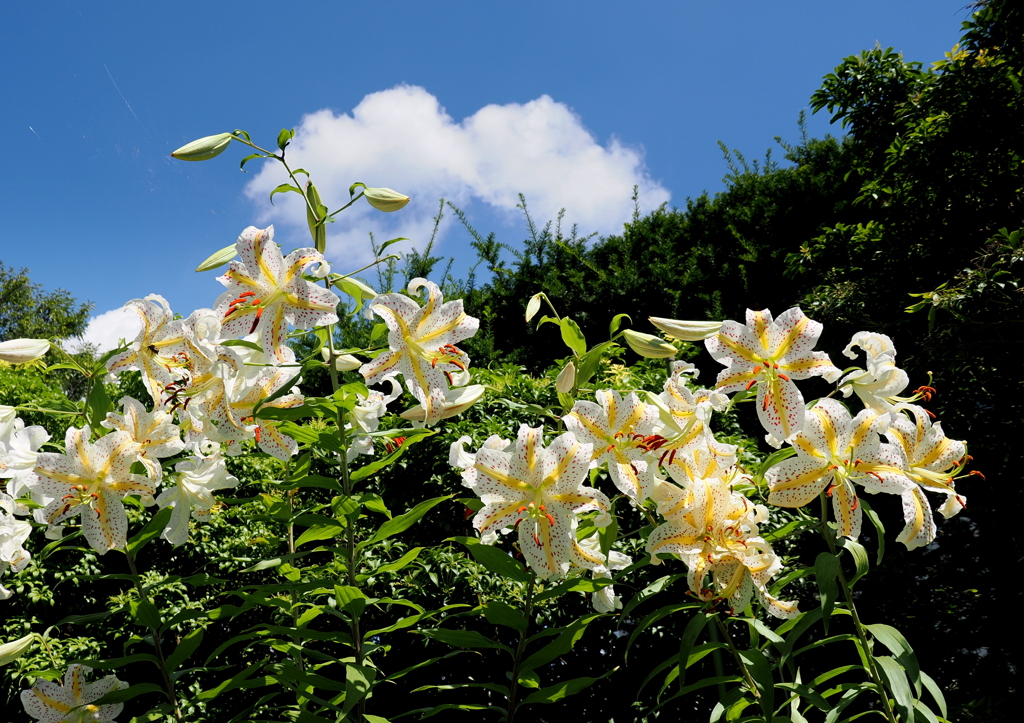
571,103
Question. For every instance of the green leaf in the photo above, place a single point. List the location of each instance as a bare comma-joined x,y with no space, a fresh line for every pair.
573,337
893,639
400,563
805,691
285,389
879,528
299,433
236,681
648,592
591,361
770,461
896,682
654,617
560,645
693,629
151,531
120,696
323,528
284,137
616,321
411,437
241,166
559,691
115,663
936,693
184,649
242,343
358,679
145,613
494,559
464,639
826,570
284,188
350,599
860,558
403,522
500,613
98,403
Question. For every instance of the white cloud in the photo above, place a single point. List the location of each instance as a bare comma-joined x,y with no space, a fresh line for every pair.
106,329
403,139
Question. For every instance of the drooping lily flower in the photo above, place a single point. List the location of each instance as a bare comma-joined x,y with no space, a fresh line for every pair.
19,447
539,491
834,453
13,533
771,354
422,345
716,532
49,702
196,480
267,292
928,457
878,385
91,480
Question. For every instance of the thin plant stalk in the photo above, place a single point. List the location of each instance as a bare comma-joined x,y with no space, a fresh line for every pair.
862,637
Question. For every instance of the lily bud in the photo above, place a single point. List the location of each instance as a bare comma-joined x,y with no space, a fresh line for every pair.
384,199
649,346
532,306
20,351
456,401
342,362
204,148
9,652
686,330
218,259
566,379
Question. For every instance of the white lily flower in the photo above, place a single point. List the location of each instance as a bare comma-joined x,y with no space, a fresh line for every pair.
771,354
716,532
267,292
49,702
422,341
539,491
91,480
197,479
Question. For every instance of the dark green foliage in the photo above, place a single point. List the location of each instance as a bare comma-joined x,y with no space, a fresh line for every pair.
28,312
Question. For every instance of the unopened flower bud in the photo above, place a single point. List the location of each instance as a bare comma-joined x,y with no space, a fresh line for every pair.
455,402
532,306
384,199
204,148
566,379
342,362
649,346
218,259
686,330
19,351
9,652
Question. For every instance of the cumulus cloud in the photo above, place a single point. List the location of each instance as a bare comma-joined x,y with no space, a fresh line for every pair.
403,139
106,329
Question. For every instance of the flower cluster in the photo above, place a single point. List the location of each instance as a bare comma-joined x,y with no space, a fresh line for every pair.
663,450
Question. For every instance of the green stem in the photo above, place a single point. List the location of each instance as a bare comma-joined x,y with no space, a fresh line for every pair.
168,682
735,654
335,213
862,637
521,648
346,484
284,163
